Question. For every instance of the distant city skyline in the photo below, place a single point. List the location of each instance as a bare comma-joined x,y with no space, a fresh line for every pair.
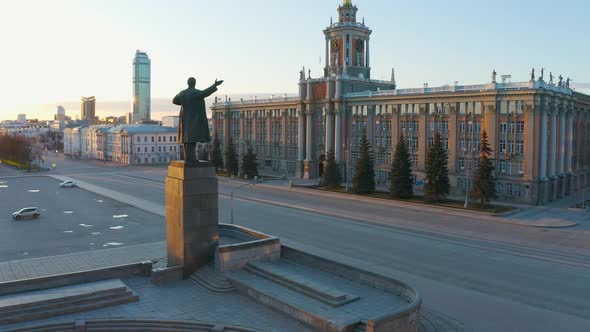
432,42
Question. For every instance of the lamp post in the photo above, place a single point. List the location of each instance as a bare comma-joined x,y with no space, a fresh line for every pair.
231,195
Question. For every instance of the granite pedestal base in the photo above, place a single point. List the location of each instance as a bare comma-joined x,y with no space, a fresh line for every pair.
191,215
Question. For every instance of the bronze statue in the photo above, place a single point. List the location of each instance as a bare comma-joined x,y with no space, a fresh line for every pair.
192,126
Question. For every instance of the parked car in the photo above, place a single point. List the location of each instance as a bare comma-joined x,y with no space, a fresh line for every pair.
29,212
68,184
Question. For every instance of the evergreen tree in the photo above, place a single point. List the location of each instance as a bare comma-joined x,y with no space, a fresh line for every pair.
216,156
437,185
249,164
231,158
401,179
363,181
331,178
484,183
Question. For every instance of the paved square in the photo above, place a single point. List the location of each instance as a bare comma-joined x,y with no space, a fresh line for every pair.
72,220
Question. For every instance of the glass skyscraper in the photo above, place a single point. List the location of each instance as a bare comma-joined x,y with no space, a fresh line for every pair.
141,87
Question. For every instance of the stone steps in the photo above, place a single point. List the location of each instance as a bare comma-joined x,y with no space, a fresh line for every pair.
134,325
214,282
65,300
294,302
360,327
289,277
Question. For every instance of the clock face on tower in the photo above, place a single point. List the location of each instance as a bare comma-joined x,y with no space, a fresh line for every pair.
335,45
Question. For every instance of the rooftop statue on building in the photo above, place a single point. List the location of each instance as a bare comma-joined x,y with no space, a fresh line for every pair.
193,127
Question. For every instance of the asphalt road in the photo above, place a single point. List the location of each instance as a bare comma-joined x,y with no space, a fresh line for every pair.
490,276
72,220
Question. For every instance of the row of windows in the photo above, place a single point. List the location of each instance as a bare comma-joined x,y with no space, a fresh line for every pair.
510,167
160,149
511,127
153,160
508,147
512,190
172,139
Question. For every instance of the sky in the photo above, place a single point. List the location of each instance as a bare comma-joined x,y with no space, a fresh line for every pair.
54,52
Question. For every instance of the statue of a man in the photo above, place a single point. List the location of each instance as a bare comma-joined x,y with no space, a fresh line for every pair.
550,77
192,126
560,81
494,75
533,74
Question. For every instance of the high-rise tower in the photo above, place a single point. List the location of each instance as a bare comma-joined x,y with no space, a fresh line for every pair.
347,45
88,108
141,87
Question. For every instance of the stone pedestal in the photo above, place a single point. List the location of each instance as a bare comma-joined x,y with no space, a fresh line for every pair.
191,215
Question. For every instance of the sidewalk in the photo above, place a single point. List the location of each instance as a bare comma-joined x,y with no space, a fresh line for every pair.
529,216
82,261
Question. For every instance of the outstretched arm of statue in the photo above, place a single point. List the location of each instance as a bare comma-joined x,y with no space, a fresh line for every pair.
210,90
178,99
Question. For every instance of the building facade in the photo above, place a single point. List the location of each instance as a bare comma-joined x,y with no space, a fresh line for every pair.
170,121
60,114
88,108
537,129
125,144
141,87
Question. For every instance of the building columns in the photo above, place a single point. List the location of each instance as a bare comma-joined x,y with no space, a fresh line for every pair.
368,56
329,130
570,142
327,59
561,168
553,149
543,158
338,134
308,150
300,147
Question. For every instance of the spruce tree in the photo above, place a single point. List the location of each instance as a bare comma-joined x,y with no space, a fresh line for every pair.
216,156
437,185
484,183
331,178
249,164
363,181
231,158
401,179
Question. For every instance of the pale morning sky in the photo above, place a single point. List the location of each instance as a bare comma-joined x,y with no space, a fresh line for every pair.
54,52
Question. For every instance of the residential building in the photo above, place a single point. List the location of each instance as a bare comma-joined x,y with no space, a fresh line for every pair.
21,118
537,129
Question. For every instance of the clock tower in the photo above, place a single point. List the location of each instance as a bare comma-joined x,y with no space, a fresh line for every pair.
347,45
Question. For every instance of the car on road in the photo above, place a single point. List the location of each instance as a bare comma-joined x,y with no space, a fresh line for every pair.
29,212
68,184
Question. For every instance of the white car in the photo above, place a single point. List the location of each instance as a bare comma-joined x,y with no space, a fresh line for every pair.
68,184
29,212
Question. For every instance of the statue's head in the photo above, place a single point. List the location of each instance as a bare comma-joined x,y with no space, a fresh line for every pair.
192,82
